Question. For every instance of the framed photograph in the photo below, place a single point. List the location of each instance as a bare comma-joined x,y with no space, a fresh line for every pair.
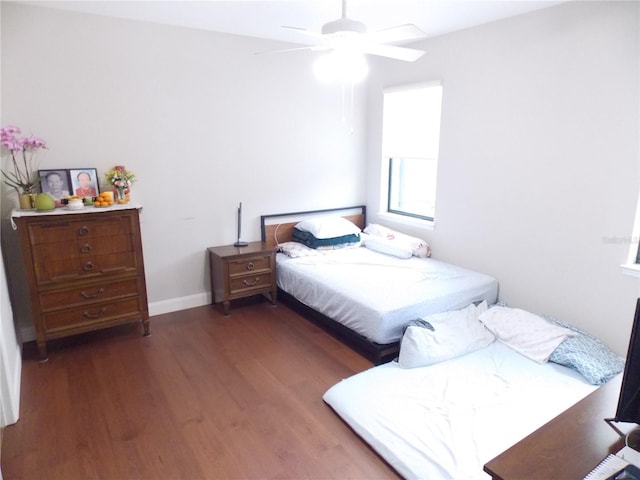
55,183
84,182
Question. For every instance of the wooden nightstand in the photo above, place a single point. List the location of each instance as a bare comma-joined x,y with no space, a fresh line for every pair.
238,272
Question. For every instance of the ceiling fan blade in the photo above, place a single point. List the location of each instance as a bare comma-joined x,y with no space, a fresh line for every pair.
401,33
306,33
312,48
399,53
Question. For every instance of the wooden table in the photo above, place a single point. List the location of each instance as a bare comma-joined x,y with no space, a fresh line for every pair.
569,446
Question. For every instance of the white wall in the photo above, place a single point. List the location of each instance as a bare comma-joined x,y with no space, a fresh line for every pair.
202,121
539,151
539,161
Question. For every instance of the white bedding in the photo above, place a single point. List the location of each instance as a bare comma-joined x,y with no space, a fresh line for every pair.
374,294
447,420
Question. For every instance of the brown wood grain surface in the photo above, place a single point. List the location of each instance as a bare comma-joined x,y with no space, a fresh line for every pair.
203,397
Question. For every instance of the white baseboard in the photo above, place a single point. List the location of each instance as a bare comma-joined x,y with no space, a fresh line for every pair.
181,303
155,308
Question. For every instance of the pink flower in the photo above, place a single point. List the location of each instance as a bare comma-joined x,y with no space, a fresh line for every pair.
9,130
33,142
23,178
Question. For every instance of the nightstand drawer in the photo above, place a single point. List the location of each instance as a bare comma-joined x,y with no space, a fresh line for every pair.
253,264
250,282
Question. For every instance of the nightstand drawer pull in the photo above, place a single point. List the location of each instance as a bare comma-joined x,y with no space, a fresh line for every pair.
250,283
86,248
87,267
86,314
83,230
251,266
87,296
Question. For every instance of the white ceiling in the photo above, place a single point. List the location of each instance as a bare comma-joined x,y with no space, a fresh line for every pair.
264,18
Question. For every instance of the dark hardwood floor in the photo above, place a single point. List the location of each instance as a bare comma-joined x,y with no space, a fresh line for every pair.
205,396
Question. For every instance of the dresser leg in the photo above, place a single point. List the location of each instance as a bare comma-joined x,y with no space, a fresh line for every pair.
145,326
225,307
42,351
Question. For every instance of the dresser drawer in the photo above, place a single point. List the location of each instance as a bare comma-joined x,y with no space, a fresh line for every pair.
247,265
49,270
81,248
91,315
88,294
258,281
68,230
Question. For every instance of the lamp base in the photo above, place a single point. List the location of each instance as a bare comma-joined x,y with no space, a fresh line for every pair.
240,244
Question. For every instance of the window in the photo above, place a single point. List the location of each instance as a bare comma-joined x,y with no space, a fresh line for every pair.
410,141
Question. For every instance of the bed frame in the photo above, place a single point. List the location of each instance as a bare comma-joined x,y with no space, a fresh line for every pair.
278,228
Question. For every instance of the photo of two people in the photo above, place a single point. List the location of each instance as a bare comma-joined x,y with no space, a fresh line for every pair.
61,183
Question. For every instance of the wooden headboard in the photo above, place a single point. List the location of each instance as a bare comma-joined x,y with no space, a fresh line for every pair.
278,228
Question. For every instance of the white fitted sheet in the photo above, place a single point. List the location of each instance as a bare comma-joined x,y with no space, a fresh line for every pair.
447,420
375,294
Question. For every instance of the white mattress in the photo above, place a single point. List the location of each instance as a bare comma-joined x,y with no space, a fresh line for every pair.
447,420
374,294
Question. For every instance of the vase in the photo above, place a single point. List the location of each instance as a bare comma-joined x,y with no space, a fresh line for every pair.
121,196
27,201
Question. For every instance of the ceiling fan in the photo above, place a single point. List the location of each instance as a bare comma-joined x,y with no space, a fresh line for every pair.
352,35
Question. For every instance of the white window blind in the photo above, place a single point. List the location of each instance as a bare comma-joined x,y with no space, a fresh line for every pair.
411,121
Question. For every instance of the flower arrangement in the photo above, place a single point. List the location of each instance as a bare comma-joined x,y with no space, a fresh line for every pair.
120,179
24,176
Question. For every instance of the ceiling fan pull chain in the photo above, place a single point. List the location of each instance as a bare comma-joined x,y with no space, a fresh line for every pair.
344,102
352,107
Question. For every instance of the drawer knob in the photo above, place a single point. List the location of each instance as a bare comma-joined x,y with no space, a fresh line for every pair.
250,283
87,267
250,266
87,314
83,230
86,295
86,248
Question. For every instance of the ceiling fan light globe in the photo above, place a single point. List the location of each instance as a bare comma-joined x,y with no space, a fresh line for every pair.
342,66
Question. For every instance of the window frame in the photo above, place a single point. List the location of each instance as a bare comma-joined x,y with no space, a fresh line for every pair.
389,183
386,185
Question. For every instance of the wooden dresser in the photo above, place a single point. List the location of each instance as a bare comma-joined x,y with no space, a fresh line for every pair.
84,270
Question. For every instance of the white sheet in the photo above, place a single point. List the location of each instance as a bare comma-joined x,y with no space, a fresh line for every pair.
447,420
374,294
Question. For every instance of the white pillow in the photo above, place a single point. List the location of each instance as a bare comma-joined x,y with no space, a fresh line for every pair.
296,249
328,227
454,334
419,247
526,333
382,245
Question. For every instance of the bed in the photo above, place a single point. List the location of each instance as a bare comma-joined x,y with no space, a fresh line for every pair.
365,297
447,419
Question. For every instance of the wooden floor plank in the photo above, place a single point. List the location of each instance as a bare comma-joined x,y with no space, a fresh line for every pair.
205,396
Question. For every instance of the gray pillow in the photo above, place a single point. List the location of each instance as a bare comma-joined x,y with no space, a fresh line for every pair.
586,354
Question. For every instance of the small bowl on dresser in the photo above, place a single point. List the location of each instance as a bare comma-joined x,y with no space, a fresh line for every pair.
75,204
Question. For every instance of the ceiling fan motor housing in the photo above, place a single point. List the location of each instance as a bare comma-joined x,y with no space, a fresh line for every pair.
344,25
